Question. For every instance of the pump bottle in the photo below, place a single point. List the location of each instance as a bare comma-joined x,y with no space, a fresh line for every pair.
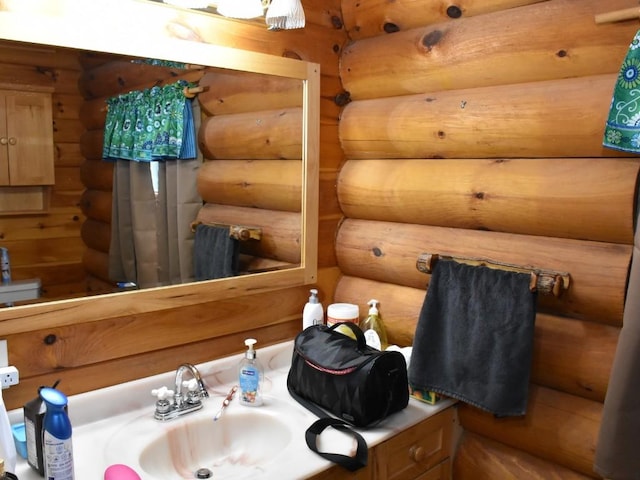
375,333
313,313
250,375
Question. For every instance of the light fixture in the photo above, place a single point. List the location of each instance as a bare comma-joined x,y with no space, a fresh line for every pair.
285,15
188,3
240,8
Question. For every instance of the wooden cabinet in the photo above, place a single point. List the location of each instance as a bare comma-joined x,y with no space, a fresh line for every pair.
421,452
26,138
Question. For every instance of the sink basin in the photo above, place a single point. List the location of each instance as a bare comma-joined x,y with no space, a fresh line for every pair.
243,443
239,445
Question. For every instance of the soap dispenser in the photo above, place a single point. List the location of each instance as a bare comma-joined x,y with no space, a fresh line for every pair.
375,333
313,313
250,375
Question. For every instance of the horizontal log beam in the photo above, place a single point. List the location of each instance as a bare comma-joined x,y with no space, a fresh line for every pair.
281,231
508,121
268,184
96,204
270,134
479,458
558,428
558,341
387,252
586,198
488,50
239,92
379,17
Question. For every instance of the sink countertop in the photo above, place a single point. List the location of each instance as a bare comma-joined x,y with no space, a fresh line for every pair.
102,415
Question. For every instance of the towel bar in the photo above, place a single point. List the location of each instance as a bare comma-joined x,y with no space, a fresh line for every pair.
239,232
191,92
542,281
618,15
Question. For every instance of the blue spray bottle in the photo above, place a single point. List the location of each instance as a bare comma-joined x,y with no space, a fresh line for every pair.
56,445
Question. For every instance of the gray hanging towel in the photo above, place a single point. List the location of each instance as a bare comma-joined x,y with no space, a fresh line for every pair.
215,253
474,337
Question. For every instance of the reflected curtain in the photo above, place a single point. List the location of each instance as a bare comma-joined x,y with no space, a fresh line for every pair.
154,186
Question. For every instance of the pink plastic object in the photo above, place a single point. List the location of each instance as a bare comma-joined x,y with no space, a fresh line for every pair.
120,472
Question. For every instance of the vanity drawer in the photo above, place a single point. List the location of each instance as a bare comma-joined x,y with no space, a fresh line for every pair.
411,454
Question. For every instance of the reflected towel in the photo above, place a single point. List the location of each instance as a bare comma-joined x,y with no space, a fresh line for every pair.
622,131
215,253
474,337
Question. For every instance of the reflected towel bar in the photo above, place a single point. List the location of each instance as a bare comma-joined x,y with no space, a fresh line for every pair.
239,232
542,281
191,92
618,15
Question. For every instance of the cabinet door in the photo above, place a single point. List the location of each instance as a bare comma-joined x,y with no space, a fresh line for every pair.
29,134
417,450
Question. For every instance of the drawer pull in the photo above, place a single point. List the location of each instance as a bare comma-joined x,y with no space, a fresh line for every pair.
417,453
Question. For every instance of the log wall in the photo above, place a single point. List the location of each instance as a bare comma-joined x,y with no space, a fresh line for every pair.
48,246
486,141
87,353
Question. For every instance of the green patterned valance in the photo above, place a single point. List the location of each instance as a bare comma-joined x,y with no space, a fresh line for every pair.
622,131
151,124
161,63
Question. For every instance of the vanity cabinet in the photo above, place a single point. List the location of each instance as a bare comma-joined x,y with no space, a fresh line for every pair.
421,452
26,138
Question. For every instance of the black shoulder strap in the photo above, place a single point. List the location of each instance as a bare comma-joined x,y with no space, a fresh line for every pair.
350,463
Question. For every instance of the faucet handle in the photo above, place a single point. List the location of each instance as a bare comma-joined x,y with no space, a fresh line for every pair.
191,385
162,393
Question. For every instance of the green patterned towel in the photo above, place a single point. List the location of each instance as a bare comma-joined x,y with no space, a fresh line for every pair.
623,125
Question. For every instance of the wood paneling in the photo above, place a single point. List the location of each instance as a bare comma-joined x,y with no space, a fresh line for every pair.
510,46
568,198
379,17
540,120
479,458
387,252
558,427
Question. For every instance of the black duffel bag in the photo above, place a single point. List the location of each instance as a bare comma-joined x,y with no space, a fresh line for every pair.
347,379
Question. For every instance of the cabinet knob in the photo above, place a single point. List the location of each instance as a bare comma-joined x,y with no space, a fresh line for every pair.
12,140
417,453
3,140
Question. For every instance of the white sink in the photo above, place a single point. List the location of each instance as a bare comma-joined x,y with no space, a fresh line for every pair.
244,443
232,447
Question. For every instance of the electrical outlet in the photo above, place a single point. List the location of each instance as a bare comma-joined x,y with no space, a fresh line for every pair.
8,376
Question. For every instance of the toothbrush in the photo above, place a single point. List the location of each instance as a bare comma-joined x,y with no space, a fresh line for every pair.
226,402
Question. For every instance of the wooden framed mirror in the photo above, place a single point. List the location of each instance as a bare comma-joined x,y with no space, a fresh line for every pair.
100,27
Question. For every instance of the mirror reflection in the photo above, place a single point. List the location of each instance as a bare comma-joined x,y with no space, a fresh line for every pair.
240,194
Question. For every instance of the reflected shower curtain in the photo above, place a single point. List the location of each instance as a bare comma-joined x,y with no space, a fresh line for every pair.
151,237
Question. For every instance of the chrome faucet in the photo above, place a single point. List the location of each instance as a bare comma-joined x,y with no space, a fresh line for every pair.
175,403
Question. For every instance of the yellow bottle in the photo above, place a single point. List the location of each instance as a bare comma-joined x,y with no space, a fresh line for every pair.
374,332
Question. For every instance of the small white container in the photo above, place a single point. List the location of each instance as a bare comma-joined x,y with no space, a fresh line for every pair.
343,312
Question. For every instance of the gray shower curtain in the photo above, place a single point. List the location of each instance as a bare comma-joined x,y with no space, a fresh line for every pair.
617,456
151,237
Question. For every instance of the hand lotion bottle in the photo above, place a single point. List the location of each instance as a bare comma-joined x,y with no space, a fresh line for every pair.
313,313
250,375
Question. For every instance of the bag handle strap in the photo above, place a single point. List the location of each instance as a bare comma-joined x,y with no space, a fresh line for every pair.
311,435
362,342
350,463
